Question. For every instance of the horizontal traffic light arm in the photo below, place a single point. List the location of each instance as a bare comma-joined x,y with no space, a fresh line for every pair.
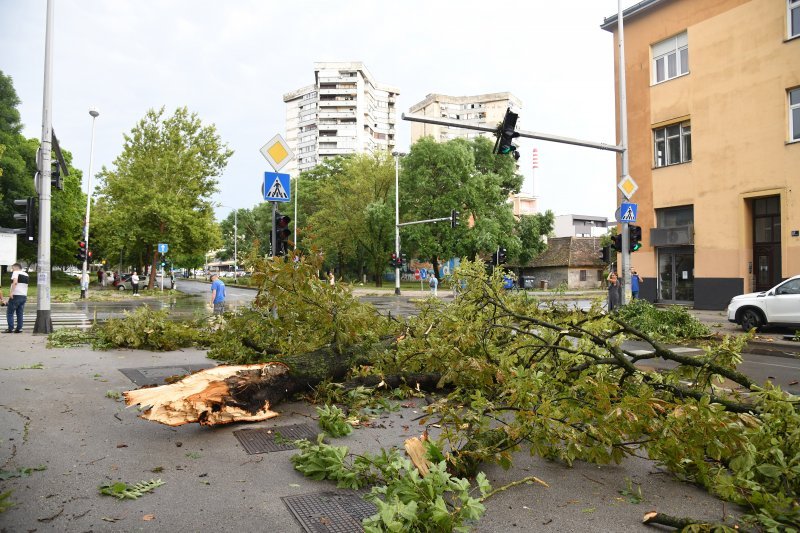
442,219
522,133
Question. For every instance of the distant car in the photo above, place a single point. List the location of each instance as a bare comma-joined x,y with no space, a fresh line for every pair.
125,283
779,306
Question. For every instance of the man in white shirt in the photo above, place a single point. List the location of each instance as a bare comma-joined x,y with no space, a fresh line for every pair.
135,283
17,298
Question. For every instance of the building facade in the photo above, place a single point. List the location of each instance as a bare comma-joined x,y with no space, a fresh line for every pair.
580,226
572,262
345,111
713,104
481,109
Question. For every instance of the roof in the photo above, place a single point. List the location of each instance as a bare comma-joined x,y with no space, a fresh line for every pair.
570,252
610,23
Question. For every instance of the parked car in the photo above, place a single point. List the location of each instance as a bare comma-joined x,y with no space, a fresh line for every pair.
125,283
779,306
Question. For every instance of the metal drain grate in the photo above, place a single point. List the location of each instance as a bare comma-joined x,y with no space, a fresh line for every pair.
330,512
155,375
262,440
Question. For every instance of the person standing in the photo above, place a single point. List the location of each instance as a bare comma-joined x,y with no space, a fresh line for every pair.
434,284
636,280
18,295
331,278
135,283
217,294
100,277
613,292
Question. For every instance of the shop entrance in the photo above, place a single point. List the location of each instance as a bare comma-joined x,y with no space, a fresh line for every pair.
676,275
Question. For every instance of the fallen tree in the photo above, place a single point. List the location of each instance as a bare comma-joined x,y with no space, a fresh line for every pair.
555,381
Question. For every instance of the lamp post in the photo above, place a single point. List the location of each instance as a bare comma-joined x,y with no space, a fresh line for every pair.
397,156
85,272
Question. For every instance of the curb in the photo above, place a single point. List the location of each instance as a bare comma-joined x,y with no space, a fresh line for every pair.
787,351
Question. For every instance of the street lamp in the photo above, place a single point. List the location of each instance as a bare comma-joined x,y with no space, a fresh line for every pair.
85,272
397,156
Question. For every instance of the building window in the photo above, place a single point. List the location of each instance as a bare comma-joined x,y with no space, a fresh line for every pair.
670,58
583,275
601,274
794,111
672,145
793,17
674,217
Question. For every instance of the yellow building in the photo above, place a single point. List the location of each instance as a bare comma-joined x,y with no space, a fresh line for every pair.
713,98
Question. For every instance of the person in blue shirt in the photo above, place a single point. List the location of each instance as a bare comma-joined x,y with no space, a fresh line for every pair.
635,281
217,294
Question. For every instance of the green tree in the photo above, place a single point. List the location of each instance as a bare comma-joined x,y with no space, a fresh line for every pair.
355,211
161,186
465,176
18,168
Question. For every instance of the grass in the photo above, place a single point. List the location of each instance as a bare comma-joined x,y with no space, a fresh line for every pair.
66,288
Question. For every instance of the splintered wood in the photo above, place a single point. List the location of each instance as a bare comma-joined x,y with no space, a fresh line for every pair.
215,396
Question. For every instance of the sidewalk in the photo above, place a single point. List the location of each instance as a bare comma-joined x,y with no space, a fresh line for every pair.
60,417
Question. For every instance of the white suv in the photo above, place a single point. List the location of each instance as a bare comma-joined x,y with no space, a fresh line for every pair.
779,306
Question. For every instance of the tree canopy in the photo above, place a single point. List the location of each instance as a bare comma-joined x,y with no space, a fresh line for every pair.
160,189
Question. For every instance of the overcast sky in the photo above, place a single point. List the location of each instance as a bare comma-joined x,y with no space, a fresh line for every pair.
231,62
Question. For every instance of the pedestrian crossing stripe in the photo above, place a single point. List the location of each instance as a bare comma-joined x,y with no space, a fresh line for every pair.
277,190
629,216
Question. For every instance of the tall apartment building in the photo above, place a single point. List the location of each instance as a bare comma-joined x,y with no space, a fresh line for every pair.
482,109
713,96
344,111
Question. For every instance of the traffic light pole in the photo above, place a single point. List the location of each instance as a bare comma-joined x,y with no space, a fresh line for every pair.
274,241
397,221
44,322
85,270
623,139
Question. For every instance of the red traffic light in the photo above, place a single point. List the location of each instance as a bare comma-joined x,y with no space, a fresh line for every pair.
82,245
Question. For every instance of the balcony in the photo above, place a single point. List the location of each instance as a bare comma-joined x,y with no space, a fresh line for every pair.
350,91
338,103
336,114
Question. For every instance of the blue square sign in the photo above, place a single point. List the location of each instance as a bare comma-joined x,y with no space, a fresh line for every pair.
276,187
627,212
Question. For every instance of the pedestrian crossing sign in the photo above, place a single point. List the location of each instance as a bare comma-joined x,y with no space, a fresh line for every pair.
628,212
276,187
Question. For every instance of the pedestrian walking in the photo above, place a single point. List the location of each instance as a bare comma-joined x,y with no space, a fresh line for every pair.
110,278
100,278
18,295
613,291
217,294
434,285
636,280
331,278
135,283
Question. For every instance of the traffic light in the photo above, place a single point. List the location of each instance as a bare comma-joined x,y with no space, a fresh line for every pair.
618,243
501,256
606,253
402,260
29,216
506,134
393,260
81,255
282,233
454,218
55,177
635,240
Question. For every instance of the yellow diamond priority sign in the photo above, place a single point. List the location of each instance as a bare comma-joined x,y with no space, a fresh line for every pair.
627,186
277,152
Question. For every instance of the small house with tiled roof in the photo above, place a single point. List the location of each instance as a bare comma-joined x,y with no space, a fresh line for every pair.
575,261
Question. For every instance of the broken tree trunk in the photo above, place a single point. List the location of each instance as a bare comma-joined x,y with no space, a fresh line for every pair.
219,395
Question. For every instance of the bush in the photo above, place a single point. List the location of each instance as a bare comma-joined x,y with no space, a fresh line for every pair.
668,324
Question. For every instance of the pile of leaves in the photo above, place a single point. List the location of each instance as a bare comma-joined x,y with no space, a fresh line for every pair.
148,329
666,324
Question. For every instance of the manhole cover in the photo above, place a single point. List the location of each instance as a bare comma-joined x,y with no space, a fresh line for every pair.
339,512
262,440
155,375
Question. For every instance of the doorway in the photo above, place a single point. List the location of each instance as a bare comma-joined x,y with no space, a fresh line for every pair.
766,242
676,275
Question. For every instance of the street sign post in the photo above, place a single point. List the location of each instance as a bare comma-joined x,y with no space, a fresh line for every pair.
163,248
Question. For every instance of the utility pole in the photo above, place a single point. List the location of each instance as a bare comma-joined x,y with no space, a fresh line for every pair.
44,322
397,156
623,140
